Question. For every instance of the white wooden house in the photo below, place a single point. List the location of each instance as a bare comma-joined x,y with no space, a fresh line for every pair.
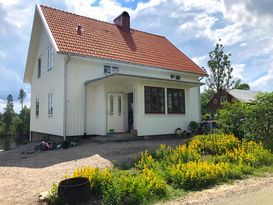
90,77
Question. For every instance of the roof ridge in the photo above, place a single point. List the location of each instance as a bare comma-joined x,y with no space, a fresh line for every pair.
99,20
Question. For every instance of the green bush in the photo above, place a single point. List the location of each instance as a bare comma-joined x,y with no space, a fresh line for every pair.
258,123
231,118
196,175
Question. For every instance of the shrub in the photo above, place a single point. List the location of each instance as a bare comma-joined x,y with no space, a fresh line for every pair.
231,118
258,123
196,175
215,143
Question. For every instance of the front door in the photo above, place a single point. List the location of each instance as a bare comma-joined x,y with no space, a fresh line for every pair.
115,112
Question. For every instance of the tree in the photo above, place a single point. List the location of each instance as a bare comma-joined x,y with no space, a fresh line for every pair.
22,125
205,98
241,86
220,69
21,97
231,118
258,123
8,115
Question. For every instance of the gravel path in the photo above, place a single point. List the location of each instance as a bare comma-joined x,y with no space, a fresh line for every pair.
23,176
252,191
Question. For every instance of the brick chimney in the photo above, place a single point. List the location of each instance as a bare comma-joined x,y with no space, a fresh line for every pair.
123,21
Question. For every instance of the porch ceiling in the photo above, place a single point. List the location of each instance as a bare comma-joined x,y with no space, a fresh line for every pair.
125,77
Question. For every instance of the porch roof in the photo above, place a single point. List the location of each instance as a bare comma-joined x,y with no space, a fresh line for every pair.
122,76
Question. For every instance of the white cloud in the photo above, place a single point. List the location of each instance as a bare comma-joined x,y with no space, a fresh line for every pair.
238,71
105,10
2,54
201,60
264,80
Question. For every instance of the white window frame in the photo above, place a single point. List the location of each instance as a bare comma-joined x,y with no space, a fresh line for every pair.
112,69
50,104
37,105
50,53
39,67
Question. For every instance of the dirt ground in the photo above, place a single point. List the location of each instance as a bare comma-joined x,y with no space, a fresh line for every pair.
23,176
252,191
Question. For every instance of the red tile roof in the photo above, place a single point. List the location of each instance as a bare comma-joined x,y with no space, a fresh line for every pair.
106,40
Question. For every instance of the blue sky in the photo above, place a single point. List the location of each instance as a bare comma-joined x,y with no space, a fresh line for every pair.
194,26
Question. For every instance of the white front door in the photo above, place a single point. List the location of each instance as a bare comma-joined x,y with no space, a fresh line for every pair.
115,113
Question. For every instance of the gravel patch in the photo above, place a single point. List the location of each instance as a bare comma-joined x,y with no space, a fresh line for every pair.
229,194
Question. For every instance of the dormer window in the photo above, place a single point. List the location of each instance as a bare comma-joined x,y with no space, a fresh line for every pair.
110,69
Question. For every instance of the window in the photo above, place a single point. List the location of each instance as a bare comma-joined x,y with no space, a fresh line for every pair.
50,58
39,68
176,100
154,100
223,98
50,104
114,69
37,107
107,69
175,77
119,105
110,69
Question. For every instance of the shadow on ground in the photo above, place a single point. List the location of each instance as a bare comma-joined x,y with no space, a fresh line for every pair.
120,153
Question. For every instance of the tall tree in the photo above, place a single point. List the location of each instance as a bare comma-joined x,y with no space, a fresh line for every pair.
21,97
220,69
8,115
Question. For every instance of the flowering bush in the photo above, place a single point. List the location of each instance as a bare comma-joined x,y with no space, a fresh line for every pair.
204,161
196,175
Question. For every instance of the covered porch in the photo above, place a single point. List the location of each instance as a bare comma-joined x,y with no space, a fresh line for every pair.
116,103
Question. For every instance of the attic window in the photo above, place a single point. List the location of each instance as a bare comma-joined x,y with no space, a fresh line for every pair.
110,69
175,77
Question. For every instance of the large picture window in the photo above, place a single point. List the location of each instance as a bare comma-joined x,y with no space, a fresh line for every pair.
154,99
176,100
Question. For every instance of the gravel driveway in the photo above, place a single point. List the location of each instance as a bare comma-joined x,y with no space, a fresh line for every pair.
24,175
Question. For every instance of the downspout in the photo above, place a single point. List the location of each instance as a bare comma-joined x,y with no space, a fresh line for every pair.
67,58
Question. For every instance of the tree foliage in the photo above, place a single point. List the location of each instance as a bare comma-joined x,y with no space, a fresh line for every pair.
205,98
13,125
231,118
220,69
21,97
252,120
241,86
8,115
259,118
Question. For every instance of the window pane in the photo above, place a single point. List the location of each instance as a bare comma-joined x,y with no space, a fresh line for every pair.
154,100
107,69
37,107
119,105
111,104
176,101
39,68
114,69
